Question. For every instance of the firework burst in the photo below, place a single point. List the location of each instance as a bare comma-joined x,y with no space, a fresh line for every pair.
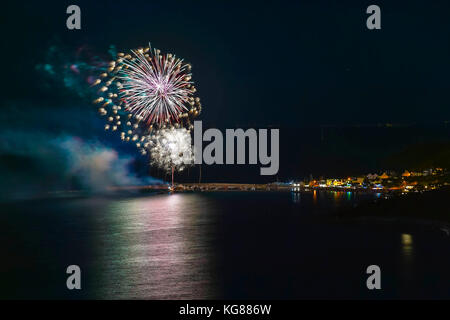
143,91
157,88
171,149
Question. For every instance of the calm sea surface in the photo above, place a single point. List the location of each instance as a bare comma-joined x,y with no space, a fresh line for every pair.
215,245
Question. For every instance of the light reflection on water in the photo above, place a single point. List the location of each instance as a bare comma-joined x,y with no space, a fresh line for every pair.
407,245
296,197
155,248
167,247
407,248
159,247
233,245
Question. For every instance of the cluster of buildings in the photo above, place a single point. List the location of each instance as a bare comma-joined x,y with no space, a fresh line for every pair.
405,181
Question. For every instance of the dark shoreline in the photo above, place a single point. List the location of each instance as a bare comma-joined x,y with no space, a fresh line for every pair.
431,207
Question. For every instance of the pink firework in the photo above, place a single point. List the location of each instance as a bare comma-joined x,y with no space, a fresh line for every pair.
156,88
143,91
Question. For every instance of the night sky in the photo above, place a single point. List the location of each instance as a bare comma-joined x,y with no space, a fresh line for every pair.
293,65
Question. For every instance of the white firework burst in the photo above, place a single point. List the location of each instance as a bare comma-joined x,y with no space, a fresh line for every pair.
171,149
